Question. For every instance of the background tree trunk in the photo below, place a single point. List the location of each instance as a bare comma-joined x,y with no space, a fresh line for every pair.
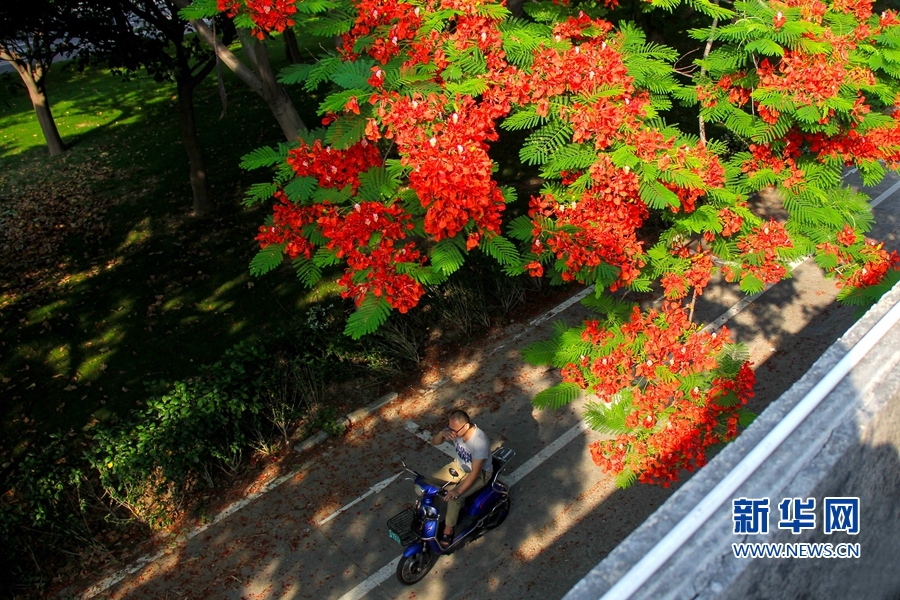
272,91
203,204
291,49
515,7
34,82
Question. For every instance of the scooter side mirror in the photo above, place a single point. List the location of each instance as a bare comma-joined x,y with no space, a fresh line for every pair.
454,472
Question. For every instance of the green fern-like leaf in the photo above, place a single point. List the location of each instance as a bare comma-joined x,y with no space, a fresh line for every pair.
521,228
375,184
330,24
627,478
746,418
446,257
346,131
541,353
557,396
354,75
294,74
606,304
321,71
544,142
309,7
335,102
608,418
369,316
266,259
467,87
300,188
199,9
307,271
500,249
262,157
765,46
526,118
259,192
325,258
423,275
750,284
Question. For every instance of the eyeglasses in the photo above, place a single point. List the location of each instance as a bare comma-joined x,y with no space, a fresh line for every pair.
456,431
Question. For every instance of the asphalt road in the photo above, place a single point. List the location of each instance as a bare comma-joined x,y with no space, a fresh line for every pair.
321,533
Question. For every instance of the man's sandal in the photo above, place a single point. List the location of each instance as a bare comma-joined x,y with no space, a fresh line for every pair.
445,540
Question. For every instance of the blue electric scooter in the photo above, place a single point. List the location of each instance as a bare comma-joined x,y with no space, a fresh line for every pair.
417,528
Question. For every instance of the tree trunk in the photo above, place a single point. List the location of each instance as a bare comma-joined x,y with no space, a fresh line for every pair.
38,95
203,204
272,91
516,8
262,81
291,49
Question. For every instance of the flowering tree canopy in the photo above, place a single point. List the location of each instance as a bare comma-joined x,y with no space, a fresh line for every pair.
398,188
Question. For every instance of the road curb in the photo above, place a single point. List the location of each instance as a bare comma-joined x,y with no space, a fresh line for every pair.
354,417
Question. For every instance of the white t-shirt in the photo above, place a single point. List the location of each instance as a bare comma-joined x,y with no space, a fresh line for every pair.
477,448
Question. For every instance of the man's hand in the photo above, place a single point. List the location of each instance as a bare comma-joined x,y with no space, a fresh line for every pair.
468,481
444,435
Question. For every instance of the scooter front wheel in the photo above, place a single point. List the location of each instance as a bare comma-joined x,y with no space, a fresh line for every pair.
413,568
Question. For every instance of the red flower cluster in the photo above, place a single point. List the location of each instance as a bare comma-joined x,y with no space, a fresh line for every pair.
334,168
365,237
759,253
445,149
391,22
267,15
859,265
670,428
287,228
697,276
606,220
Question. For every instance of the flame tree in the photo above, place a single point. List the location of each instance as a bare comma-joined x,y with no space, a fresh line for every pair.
397,186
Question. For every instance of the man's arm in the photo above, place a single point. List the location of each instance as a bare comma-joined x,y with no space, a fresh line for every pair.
469,480
440,437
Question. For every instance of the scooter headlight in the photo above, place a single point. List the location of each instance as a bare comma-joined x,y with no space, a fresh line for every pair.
420,491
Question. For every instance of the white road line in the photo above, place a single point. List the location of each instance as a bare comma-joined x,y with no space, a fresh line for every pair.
885,195
426,436
373,581
384,573
563,306
532,463
372,490
140,563
547,315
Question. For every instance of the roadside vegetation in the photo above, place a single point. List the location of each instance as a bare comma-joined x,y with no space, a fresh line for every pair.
141,364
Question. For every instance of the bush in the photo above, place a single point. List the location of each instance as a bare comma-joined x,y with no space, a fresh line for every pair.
58,496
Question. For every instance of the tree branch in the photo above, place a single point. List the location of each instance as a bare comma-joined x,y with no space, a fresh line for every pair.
231,61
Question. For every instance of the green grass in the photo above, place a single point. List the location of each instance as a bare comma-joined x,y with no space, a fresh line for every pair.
161,293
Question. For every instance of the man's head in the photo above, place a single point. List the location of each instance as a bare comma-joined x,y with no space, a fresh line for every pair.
459,422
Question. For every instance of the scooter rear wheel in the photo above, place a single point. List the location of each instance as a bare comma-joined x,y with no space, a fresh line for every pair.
499,515
413,568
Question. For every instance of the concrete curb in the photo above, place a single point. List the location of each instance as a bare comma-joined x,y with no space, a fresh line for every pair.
355,417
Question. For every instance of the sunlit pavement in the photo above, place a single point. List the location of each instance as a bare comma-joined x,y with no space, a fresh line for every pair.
566,513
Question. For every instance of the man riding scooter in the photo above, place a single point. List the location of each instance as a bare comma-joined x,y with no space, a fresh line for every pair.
473,451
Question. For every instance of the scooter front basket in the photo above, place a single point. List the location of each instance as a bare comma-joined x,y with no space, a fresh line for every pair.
400,527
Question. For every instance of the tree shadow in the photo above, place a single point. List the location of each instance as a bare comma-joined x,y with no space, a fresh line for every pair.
274,548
